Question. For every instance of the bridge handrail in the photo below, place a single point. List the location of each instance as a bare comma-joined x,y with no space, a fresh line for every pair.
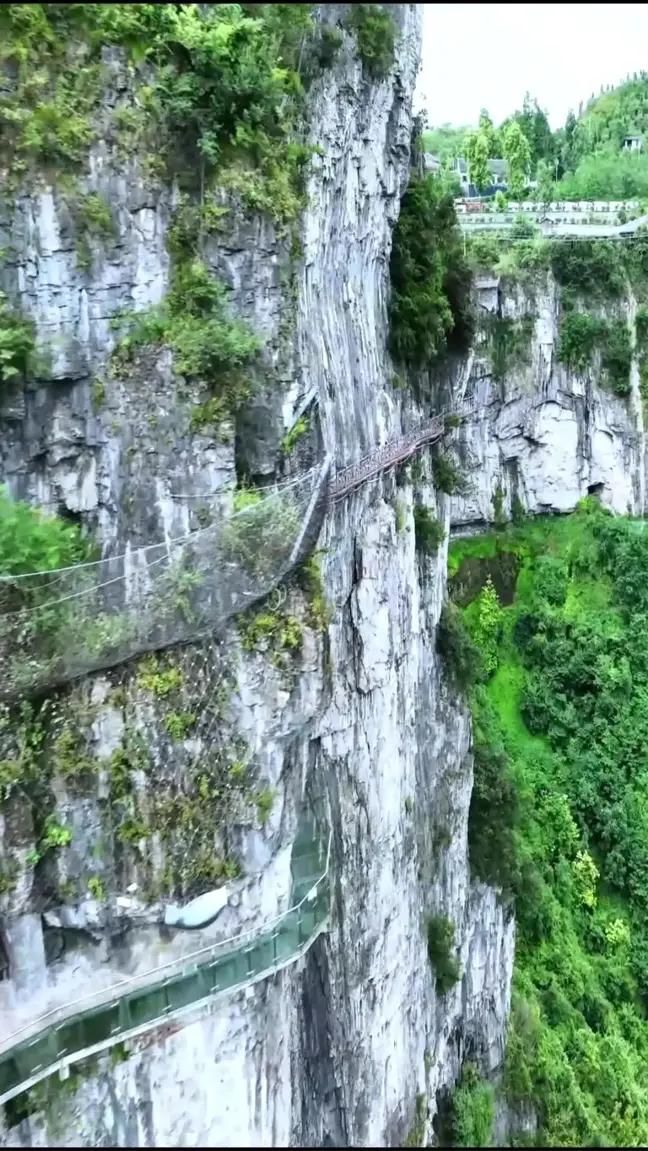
385,456
370,465
129,982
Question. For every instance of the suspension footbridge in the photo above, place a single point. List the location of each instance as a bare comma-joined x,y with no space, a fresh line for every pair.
59,625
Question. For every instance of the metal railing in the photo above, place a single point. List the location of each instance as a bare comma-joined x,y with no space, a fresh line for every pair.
134,1005
82,1027
388,456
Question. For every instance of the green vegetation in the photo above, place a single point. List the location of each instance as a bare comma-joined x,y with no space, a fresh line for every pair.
533,122
484,620
375,34
581,335
641,351
509,343
430,312
429,532
609,117
581,161
497,500
31,541
595,271
70,755
516,151
276,632
524,261
226,90
605,176
189,807
448,476
441,952
308,577
96,888
590,146
51,1095
17,345
558,812
178,724
9,871
616,356
509,142
416,1135
208,344
161,681
295,434
260,535
462,662
94,221
264,804
54,835
591,276
472,1110
445,142
328,42
479,148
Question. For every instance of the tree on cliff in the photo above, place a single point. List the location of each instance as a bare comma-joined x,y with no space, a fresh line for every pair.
429,310
517,153
477,157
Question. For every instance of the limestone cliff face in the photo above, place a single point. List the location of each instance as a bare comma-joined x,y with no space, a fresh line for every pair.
541,434
334,1050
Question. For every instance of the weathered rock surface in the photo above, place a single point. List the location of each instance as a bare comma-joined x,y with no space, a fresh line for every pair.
335,1050
543,435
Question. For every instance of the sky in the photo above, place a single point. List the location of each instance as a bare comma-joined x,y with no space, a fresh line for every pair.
489,55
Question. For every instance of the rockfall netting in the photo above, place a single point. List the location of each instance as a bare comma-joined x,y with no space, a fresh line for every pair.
56,626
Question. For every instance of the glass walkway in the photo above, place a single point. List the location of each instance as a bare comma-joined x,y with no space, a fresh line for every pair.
214,971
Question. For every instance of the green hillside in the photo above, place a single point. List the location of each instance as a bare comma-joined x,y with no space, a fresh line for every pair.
586,154
559,813
623,111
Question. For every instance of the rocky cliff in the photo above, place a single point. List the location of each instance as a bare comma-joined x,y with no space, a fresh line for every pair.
542,436
353,1045
341,1048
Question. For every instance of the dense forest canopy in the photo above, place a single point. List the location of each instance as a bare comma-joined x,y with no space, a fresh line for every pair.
559,810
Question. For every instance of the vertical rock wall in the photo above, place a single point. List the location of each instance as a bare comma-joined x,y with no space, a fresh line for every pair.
544,435
336,1050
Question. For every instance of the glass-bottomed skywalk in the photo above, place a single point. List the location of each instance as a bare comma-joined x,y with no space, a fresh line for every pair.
218,970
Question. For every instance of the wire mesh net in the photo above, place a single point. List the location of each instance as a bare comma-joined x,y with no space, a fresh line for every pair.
59,625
